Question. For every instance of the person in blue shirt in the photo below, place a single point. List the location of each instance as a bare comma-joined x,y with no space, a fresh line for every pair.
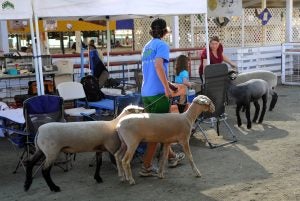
182,76
155,88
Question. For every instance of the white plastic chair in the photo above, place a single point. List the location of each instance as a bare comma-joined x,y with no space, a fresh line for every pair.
73,91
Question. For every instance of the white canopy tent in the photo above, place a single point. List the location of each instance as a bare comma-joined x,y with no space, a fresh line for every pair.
22,10
115,9
14,10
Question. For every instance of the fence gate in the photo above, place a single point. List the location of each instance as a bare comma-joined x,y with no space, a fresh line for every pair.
290,71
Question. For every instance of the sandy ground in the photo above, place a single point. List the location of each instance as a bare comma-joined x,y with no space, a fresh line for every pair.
263,165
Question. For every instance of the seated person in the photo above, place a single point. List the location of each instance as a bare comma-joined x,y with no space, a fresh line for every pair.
182,77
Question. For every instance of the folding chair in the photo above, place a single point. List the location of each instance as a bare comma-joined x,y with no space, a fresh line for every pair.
13,128
73,91
215,87
39,110
120,103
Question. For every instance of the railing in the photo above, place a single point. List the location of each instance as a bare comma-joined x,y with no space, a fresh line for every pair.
123,64
250,59
290,73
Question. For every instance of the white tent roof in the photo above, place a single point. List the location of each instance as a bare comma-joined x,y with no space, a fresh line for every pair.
117,9
15,9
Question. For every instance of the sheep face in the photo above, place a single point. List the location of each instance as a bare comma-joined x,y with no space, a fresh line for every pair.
204,100
232,75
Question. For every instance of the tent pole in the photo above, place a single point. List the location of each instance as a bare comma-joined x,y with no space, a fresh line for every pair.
289,22
34,52
108,48
40,87
207,39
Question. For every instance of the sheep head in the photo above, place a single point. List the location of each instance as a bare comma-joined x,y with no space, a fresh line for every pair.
232,75
204,100
131,109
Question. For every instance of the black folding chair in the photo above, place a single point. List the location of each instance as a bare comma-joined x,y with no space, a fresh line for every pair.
215,87
122,101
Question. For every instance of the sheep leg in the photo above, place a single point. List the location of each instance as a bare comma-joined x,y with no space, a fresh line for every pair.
264,108
237,112
112,158
163,160
118,156
126,162
257,108
249,124
29,167
187,151
47,177
97,176
273,101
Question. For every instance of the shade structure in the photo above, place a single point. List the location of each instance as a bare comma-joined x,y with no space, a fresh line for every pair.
117,9
15,10
22,10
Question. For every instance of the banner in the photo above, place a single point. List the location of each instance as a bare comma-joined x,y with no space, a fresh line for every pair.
224,8
18,25
50,25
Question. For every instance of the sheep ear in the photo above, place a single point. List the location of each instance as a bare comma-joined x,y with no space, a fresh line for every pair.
135,110
202,100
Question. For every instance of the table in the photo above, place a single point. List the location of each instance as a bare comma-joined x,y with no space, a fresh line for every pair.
14,115
114,92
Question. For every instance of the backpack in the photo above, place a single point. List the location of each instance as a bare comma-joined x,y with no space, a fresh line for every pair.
91,88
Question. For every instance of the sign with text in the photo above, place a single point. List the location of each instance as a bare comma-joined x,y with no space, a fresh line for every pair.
224,8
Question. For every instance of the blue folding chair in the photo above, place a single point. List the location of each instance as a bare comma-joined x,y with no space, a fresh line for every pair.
39,110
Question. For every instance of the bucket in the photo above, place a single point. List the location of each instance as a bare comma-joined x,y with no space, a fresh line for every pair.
191,95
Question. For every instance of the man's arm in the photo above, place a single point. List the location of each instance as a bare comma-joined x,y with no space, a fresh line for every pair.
162,76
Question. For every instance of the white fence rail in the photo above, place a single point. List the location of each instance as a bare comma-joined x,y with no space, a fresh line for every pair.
290,72
256,58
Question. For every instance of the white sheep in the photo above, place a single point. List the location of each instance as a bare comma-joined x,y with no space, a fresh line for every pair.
268,76
164,128
74,137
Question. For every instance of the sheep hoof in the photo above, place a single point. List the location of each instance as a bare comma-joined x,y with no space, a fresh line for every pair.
198,174
131,182
98,179
161,176
122,179
249,126
27,185
239,125
55,188
260,122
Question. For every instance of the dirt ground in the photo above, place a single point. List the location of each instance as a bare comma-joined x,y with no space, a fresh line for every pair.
263,165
